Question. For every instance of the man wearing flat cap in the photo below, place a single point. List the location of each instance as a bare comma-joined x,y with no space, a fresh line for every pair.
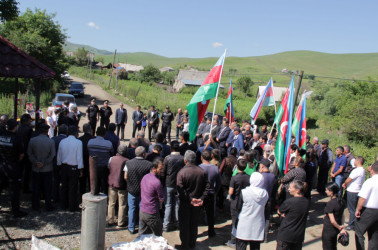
325,162
167,118
93,114
105,113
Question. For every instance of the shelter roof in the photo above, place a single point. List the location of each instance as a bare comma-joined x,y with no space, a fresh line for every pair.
16,63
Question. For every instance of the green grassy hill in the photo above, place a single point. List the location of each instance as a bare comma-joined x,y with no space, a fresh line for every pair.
351,66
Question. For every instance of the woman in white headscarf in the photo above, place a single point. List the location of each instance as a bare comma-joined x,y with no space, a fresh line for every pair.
250,228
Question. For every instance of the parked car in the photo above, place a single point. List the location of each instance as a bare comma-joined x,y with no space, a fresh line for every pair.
76,89
60,98
66,75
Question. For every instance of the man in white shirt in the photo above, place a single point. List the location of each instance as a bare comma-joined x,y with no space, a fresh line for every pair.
367,211
70,159
353,186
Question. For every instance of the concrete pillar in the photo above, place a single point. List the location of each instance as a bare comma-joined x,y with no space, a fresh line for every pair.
93,222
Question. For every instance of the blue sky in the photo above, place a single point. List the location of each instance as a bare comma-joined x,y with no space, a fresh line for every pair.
205,28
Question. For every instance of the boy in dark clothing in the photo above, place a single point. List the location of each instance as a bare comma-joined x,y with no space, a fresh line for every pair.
237,183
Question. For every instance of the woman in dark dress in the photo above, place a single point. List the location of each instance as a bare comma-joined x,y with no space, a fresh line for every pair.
333,218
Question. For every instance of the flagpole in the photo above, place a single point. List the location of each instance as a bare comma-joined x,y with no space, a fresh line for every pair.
216,97
275,107
230,102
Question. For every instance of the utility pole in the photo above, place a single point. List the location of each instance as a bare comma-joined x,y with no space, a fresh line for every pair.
299,87
117,76
111,71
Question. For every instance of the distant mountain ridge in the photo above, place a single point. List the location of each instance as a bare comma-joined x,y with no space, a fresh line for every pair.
351,65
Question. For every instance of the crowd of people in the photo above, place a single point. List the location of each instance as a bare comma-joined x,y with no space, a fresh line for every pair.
160,185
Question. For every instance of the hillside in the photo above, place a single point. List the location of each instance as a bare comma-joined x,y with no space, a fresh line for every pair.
351,66
73,47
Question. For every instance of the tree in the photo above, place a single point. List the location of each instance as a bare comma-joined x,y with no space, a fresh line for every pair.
245,83
150,74
8,10
169,77
82,56
40,36
100,59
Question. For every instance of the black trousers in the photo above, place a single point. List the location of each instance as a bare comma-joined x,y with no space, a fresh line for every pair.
26,170
14,185
135,127
329,238
102,179
152,128
93,123
42,180
104,123
209,207
57,178
367,222
150,223
70,177
282,245
242,244
235,219
166,128
122,128
188,223
322,179
84,180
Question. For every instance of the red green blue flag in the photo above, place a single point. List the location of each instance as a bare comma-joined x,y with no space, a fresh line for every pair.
201,99
299,123
283,120
266,99
229,107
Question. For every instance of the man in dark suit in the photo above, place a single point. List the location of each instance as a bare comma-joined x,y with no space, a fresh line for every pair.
137,120
84,179
121,120
222,137
167,118
153,122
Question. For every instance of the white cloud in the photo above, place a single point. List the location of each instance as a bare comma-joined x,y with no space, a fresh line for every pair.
93,25
217,44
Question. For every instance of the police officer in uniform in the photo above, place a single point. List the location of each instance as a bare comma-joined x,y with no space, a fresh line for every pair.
93,114
105,113
11,153
167,118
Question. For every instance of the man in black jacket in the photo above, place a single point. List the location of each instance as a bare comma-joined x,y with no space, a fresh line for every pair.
153,122
135,170
137,120
222,138
84,179
167,118
24,132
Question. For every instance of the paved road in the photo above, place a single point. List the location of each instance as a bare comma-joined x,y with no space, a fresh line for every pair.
313,230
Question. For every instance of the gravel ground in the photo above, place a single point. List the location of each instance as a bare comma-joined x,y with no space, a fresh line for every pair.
62,229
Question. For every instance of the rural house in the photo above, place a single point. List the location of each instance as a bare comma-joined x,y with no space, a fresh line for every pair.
278,92
190,78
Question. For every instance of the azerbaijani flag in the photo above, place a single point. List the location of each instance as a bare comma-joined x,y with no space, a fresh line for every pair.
283,116
229,107
266,99
299,124
201,99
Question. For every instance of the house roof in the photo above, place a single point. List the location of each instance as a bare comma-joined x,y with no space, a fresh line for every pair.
193,77
16,63
278,92
130,67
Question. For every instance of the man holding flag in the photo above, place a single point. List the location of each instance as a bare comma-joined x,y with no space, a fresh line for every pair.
201,99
